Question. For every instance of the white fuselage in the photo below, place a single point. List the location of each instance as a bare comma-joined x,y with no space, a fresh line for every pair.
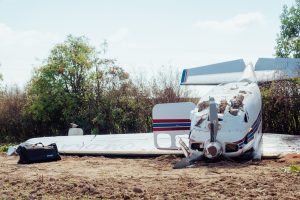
239,118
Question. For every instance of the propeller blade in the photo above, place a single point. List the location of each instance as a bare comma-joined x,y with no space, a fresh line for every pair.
185,162
213,118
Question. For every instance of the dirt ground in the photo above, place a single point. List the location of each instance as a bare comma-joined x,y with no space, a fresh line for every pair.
152,178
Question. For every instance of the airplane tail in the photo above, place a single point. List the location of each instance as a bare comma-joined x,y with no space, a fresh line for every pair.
266,69
248,74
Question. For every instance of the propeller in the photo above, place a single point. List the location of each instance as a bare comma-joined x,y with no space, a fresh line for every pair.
193,155
213,118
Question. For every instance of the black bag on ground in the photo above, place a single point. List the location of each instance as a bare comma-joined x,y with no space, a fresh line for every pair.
37,153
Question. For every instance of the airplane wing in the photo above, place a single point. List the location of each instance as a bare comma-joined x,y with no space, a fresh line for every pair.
268,69
171,121
275,145
138,144
142,144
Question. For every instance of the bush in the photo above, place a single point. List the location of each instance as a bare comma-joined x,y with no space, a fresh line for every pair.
12,124
281,107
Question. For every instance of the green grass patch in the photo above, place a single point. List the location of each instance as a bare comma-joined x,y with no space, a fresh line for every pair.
4,147
294,168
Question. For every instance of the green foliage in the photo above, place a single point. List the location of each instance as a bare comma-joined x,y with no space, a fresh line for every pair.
294,168
78,84
4,147
57,92
288,41
281,99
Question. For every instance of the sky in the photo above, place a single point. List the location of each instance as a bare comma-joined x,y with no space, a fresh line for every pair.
144,36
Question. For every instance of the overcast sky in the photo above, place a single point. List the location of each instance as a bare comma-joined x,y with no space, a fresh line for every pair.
142,35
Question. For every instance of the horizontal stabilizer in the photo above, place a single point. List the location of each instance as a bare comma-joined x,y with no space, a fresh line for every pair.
268,69
214,74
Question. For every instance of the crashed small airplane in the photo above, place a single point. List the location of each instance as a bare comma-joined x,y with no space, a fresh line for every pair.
227,121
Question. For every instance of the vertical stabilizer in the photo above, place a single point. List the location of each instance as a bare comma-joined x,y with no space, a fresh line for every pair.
248,74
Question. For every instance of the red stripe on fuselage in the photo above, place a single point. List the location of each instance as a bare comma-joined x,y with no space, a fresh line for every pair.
172,129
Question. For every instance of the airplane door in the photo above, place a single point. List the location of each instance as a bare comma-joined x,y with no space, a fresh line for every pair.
171,120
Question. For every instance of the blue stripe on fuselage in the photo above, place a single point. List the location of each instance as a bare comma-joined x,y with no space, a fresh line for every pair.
250,135
171,125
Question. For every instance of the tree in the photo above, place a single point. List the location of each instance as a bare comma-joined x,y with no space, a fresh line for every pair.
165,87
12,121
1,77
57,91
288,40
281,99
78,84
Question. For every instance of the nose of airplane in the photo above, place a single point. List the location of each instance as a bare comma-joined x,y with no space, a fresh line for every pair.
213,150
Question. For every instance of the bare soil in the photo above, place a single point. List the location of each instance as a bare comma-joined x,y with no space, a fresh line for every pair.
152,178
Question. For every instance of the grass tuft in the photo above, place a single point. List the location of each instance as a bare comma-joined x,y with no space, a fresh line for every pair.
294,168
